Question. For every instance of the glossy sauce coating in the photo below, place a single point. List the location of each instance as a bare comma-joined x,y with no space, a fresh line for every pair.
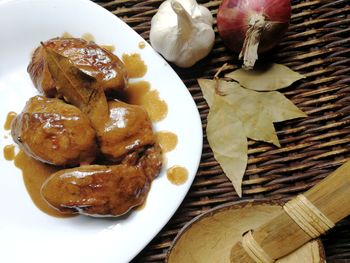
167,140
9,119
54,132
9,152
150,161
177,175
89,37
97,190
128,129
135,66
95,61
34,175
140,93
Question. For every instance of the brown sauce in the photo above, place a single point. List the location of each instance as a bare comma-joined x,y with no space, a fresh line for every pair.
156,108
177,175
142,45
134,65
136,91
9,119
34,175
9,152
88,37
140,93
166,140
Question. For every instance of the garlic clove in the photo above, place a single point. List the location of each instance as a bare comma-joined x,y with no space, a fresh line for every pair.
203,37
206,17
185,24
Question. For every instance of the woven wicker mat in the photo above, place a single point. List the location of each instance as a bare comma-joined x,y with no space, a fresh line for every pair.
316,45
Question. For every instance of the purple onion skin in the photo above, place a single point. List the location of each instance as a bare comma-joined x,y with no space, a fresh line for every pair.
233,21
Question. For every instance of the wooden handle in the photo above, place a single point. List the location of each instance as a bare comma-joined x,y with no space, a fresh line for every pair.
281,235
331,195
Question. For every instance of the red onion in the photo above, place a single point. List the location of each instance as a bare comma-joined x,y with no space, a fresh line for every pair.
252,26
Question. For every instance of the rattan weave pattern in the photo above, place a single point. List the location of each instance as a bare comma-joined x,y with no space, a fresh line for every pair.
316,45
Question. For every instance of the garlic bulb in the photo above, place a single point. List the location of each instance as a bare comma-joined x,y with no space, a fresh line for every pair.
182,32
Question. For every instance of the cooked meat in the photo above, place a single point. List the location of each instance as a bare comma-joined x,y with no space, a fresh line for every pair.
128,137
97,190
128,129
87,56
149,159
54,132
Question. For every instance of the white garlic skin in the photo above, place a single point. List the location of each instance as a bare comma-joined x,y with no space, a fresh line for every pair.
182,38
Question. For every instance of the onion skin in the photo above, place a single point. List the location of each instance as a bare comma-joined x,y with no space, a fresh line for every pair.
234,18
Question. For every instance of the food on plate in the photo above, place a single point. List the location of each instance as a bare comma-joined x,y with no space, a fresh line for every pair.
187,28
134,65
252,26
140,93
177,175
150,161
128,129
9,118
108,145
92,59
97,190
54,132
78,88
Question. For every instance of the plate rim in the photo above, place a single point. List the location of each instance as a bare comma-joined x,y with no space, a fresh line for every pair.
196,159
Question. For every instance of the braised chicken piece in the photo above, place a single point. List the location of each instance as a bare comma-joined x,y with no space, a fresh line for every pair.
97,190
148,158
54,132
92,59
128,129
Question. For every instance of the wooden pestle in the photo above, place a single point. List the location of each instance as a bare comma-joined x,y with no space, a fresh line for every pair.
281,235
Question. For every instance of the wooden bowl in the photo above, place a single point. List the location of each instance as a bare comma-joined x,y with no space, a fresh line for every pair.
210,236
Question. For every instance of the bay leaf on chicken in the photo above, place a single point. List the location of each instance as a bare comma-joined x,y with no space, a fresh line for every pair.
78,88
265,77
228,141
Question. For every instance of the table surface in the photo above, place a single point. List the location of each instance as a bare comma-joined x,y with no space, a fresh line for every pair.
316,45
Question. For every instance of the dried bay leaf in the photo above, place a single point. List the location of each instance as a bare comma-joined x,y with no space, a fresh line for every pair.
280,108
208,89
256,107
265,77
228,141
211,87
78,88
237,113
72,83
256,110
251,108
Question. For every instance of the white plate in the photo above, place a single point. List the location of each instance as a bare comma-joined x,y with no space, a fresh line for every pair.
26,233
